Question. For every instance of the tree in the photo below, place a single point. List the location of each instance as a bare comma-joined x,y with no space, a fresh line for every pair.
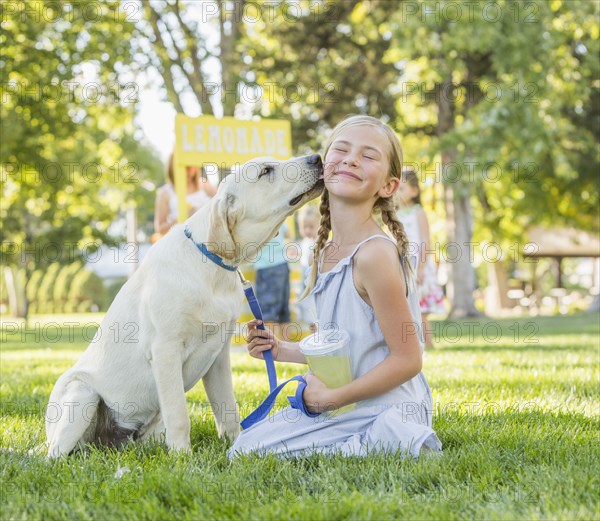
70,152
495,81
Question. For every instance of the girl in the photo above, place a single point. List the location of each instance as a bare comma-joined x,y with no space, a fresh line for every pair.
413,218
359,282
199,192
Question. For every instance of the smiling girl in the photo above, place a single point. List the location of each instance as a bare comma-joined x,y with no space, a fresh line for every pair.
360,282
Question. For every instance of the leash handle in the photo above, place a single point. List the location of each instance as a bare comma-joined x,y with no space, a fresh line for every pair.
263,410
257,312
297,401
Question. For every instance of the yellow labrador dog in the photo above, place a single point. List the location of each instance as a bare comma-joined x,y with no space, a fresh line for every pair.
171,323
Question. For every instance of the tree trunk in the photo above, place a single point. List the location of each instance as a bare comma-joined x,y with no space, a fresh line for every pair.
460,233
496,292
229,57
17,297
459,218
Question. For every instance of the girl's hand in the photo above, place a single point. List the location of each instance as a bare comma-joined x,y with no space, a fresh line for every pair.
260,340
318,397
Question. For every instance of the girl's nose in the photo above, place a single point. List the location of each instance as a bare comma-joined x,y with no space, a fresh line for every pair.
350,159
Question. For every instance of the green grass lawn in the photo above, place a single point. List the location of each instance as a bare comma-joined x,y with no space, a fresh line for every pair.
516,409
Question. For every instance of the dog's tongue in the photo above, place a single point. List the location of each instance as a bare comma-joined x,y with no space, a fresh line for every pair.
322,176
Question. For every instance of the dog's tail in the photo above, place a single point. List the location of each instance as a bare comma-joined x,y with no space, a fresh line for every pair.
71,415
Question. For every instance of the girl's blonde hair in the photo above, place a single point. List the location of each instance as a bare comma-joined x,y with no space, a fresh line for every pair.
383,205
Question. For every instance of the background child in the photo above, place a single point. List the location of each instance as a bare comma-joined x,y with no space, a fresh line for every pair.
199,191
360,283
309,224
273,282
413,217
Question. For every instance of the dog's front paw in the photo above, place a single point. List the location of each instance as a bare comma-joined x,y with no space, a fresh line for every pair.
180,448
230,431
54,453
179,442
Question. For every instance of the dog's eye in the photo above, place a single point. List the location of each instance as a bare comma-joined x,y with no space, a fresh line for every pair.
265,171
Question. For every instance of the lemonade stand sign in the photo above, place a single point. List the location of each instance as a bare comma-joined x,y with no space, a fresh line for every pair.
226,142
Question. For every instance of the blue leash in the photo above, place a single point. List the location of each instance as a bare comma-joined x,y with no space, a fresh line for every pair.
257,312
265,407
296,401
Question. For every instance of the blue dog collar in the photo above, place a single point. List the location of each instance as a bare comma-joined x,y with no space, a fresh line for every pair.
204,250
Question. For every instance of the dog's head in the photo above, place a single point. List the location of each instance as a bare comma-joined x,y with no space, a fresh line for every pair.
252,203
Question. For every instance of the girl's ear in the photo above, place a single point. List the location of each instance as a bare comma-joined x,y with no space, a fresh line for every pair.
389,188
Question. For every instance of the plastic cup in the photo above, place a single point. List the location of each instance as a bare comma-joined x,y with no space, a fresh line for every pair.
328,357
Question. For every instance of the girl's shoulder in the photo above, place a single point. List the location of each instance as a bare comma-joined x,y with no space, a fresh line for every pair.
376,252
377,267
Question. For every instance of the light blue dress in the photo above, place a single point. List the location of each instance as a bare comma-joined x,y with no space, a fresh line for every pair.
397,420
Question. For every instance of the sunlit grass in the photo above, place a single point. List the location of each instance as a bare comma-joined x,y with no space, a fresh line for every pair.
516,407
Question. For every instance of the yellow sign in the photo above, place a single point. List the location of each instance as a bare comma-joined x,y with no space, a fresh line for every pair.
226,142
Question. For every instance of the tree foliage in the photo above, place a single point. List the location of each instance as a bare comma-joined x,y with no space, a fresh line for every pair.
523,86
315,62
512,90
71,156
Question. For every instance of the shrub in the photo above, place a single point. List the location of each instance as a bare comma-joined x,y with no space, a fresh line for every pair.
32,290
45,294
87,292
63,283
3,290
18,279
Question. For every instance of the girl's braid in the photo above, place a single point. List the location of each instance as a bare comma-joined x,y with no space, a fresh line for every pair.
388,215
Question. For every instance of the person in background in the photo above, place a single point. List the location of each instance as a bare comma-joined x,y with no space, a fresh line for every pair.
273,282
199,192
411,214
309,225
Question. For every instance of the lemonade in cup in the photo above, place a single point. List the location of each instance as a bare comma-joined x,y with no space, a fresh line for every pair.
328,358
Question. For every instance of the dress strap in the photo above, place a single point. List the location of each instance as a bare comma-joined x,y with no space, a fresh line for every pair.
322,254
368,239
402,257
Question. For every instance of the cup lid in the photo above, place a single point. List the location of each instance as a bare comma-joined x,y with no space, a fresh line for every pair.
324,342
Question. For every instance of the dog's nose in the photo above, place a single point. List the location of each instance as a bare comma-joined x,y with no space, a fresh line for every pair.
314,159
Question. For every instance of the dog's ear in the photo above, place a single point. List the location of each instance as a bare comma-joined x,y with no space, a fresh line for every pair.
221,238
